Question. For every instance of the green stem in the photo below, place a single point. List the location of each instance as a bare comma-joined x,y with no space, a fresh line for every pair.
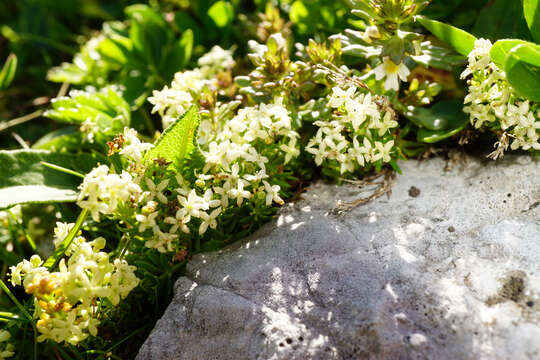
128,337
26,235
62,169
59,252
20,120
124,248
15,301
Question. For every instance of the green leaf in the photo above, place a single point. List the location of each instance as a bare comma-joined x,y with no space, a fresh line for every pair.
115,50
500,50
222,13
523,71
459,39
438,57
439,117
180,54
62,139
531,10
7,74
26,180
178,144
432,136
501,19
445,119
149,32
106,108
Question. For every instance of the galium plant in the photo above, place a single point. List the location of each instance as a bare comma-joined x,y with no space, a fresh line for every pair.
243,127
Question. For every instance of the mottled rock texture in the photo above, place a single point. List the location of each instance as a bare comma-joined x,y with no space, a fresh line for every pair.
447,268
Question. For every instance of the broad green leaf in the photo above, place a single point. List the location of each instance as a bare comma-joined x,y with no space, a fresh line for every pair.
501,19
116,50
523,71
459,39
178,142
433,136
7,74
531,10
441,116
106,109
449,113
499,51
66,138
222,13
26,180
180,54
149,32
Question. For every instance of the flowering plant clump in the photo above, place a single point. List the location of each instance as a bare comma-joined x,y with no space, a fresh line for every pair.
359,134
66,301
190,123
493,103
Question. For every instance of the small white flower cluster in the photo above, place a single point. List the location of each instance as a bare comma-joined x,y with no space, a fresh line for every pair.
102,192
66,301
234,171
186,87
6,348
133,148
357,135
492,101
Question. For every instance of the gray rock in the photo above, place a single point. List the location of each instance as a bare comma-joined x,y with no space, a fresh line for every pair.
451,272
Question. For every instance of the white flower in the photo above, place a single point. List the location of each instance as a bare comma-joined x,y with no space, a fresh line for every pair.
209,220
272,194
290,150
239,193
162,242
156,190
217,58
359,109
134,148
178,222
61,231
387,123
479,57
102,193
208,198
339,96
146,221
392,72
382,151
65,301
191,206
360,153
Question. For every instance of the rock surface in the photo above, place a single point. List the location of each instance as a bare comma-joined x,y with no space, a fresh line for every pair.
448,270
